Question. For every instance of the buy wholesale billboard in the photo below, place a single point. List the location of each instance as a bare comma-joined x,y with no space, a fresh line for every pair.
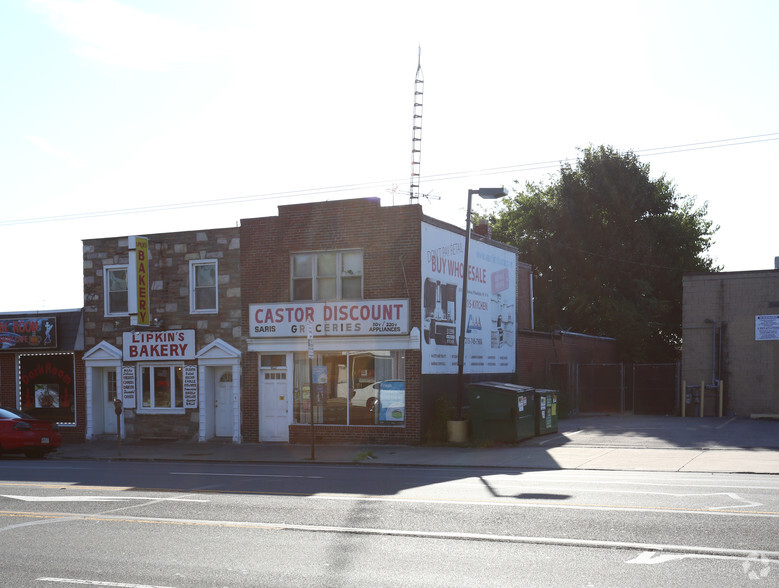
490,315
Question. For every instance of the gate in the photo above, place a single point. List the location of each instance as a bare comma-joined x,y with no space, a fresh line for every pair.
601,387
655,387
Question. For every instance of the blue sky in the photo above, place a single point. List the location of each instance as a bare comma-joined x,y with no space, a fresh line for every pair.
138,117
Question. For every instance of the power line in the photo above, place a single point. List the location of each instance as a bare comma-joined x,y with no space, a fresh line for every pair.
524,167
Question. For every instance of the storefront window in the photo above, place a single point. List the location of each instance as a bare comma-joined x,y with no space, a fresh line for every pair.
47,389
162,387
350,388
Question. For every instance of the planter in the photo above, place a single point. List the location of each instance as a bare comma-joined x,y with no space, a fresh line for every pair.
457,431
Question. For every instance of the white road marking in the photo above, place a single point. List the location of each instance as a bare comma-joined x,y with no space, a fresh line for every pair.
552,505
96,583
770,556
726,423
243,475
94,498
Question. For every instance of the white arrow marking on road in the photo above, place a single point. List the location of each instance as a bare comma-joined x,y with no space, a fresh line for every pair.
652,557
92,498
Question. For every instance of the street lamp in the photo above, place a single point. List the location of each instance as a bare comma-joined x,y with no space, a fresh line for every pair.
487,194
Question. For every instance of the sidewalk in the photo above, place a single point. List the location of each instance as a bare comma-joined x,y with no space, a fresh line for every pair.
623,443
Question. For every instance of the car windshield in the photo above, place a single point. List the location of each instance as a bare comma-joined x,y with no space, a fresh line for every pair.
7,413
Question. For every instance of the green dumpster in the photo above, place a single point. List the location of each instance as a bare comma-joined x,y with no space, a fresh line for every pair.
501,412
546,412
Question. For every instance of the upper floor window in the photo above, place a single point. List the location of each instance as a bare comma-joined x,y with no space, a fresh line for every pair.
203,286
327,275
115,285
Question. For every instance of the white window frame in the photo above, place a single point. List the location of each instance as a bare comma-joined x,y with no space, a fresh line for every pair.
139,390
106,293
339,274
193,264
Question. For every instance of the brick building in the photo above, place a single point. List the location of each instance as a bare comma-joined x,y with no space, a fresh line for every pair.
731,333
162,332
343,314
41,368
376,288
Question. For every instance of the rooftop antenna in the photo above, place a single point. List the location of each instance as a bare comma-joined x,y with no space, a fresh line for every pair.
416,133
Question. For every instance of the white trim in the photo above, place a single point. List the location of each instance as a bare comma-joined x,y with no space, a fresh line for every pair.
103,352
102,355
218,353
282,344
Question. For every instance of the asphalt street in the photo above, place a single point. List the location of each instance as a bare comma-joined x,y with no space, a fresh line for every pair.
167,523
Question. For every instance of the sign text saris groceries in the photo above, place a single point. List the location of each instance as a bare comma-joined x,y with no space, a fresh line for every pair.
358,317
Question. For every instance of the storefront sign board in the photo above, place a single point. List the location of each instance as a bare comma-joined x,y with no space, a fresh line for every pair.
345,318
28,333
159,345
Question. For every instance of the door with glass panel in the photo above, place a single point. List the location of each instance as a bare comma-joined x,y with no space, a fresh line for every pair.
274,398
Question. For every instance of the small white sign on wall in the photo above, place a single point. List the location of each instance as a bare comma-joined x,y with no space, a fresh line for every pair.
128,386
767,327
190,386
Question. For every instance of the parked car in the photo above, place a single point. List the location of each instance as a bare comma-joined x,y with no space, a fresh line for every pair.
21,433
368,395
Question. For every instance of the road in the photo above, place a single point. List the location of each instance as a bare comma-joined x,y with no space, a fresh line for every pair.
133,524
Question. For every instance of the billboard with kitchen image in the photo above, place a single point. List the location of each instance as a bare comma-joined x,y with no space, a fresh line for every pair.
490,308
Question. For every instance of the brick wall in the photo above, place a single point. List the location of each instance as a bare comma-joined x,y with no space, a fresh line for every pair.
390,239
537,350
8,393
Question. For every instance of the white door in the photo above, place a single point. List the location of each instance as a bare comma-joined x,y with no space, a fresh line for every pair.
109,393
223,402
274,425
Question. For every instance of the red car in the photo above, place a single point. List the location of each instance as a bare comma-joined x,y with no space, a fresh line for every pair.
21,433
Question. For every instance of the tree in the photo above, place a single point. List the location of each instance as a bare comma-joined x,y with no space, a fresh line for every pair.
609,246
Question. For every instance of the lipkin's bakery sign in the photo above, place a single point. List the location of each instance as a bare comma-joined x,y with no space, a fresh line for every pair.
158,345
359,317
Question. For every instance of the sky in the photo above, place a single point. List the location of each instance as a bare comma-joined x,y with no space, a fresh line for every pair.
137,117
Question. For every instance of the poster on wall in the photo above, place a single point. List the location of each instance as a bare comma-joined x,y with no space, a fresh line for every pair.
46,385
490,310
28,333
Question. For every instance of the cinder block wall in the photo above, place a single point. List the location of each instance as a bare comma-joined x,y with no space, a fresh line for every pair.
722,307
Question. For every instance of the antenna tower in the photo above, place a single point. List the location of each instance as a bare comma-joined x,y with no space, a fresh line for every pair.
416,133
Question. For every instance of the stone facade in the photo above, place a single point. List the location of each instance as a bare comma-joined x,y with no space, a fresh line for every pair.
719,341
169,271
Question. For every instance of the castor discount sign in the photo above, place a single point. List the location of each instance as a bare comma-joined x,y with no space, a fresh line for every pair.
363,317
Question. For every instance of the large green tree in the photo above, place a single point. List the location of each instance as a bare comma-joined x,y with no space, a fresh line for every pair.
609,245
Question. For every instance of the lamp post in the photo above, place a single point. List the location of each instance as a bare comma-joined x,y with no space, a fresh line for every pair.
487,194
